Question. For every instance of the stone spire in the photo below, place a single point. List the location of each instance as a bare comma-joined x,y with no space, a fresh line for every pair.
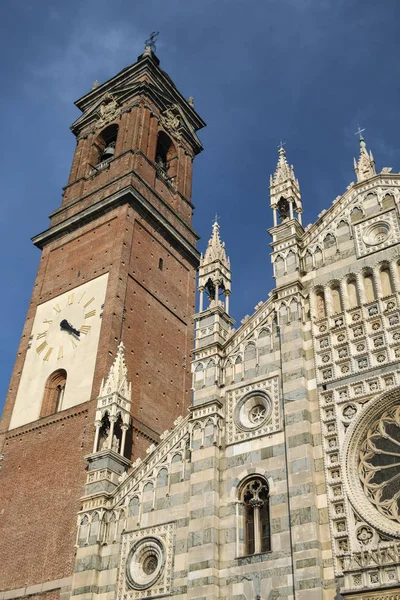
283,171
365,166
215,249
117,380
215,270
285,190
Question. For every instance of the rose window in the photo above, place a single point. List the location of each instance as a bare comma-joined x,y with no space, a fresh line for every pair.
377,233
145,563
379,464
253,410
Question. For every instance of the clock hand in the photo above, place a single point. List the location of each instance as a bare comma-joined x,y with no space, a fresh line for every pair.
68,327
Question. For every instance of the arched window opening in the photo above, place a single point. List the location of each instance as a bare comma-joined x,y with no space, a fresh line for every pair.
54,393
105,144
117,435
238,368
369,287
133,507
166,157
329,241
162,478
388,201
318,258
308,261
279,266
386,281
356,214
255,497
352,293
198,379
104,432
336,299
283,209
94,529
321,306
343,231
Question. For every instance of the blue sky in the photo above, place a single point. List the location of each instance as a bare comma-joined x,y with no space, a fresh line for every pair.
303,71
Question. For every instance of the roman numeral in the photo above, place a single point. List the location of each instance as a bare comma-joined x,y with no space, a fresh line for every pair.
81,298
48,354
57,308
88,302
40,335
47,321
42,346
70,299
85,329
73,342
60,353
90,314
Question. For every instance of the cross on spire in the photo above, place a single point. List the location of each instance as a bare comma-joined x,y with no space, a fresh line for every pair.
281,144
359,132
151,41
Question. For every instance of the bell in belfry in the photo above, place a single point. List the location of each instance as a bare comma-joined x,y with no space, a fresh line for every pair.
108,151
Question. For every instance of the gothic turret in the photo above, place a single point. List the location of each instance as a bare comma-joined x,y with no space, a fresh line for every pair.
214,272
365,166
285,191
109,460
212,323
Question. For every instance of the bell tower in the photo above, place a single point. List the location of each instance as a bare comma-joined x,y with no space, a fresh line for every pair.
118,266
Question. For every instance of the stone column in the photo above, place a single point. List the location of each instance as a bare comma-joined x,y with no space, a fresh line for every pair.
97,424
257,504
113,420
124,428
227,294
201,300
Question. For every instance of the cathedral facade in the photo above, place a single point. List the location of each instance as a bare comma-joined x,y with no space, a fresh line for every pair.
263,464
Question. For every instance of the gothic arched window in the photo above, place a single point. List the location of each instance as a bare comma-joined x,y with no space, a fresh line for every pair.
255,497
166,157
53,393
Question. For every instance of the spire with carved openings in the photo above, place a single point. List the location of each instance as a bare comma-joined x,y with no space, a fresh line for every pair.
215,271
117,380
285,191
365,166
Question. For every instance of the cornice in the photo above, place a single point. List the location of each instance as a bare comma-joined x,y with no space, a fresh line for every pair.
127,195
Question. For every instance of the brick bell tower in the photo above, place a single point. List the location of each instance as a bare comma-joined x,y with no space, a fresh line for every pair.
118,264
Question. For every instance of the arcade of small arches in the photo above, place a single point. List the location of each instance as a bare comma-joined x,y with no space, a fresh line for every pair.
252,511
356,289
329,244
248,356
111,433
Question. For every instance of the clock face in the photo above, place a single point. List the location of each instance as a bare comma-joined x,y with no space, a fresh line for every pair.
65,324
65,335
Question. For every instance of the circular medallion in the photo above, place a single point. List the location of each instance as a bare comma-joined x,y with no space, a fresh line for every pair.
372,463
377,233
145,563
253,410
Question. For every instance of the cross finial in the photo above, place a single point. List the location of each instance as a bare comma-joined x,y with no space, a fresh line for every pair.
281,144
216,218
359,132
151,42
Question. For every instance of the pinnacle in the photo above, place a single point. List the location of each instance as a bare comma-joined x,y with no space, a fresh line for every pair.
117,380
